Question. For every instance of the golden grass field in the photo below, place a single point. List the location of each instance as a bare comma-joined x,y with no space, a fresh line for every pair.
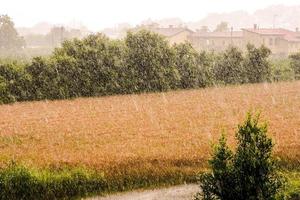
150,130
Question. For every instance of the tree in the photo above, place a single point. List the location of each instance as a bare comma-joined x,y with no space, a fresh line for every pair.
257,67
14,82
187,64
295,64
150,63
222,27
89,67
229,68
249,173
9,38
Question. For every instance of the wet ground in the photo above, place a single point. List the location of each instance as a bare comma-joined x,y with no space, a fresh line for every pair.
182,192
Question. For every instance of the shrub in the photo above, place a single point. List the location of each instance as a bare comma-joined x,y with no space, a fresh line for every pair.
229,68
295,64
20,183
249,173
256,65
14,83
187,63
142,62
150,63
282,70
89,67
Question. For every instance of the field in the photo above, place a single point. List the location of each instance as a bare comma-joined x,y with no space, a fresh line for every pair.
148,135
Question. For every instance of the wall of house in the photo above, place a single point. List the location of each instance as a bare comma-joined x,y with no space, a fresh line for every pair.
179,38
198,43
275,43
253,38
216,43
293,47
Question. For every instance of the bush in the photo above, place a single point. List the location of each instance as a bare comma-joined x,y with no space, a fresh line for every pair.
282,70
14,83
189,68
256,65
142,62
249,173
295,64
20,183
150,63
229,68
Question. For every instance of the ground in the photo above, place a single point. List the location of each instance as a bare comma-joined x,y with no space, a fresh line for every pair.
182,192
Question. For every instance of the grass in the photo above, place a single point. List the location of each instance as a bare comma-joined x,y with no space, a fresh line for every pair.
20,182
144,140
293,186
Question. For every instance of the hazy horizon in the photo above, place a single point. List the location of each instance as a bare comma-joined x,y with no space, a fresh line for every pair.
98,15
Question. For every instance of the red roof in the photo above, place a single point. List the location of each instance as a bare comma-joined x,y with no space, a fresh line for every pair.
284,33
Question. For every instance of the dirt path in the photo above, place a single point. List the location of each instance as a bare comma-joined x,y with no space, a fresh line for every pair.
182,192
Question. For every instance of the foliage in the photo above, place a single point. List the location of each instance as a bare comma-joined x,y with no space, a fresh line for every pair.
295,64
19,182
89,67
293,186
142,62
14,82
256,64
10,41
229,68
190,66
150,63
249,173
282,70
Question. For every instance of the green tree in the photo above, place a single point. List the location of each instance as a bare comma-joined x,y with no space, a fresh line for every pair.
14,82
9,38
249,173
257,66
187,64
150,63
44,80
90,67
229,67
282,70
295,64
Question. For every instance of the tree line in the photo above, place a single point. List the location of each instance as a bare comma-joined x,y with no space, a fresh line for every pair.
142,62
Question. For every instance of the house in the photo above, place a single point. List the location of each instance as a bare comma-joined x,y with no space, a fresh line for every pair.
174,35
216,41
280,41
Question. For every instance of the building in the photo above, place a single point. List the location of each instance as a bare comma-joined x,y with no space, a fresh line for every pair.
174,35
280,41
216,41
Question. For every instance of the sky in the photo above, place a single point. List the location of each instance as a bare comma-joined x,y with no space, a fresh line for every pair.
99,14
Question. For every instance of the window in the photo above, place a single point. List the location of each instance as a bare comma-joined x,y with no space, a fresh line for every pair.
271,41
276,41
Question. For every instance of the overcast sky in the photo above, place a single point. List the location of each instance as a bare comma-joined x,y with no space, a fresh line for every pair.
98,14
